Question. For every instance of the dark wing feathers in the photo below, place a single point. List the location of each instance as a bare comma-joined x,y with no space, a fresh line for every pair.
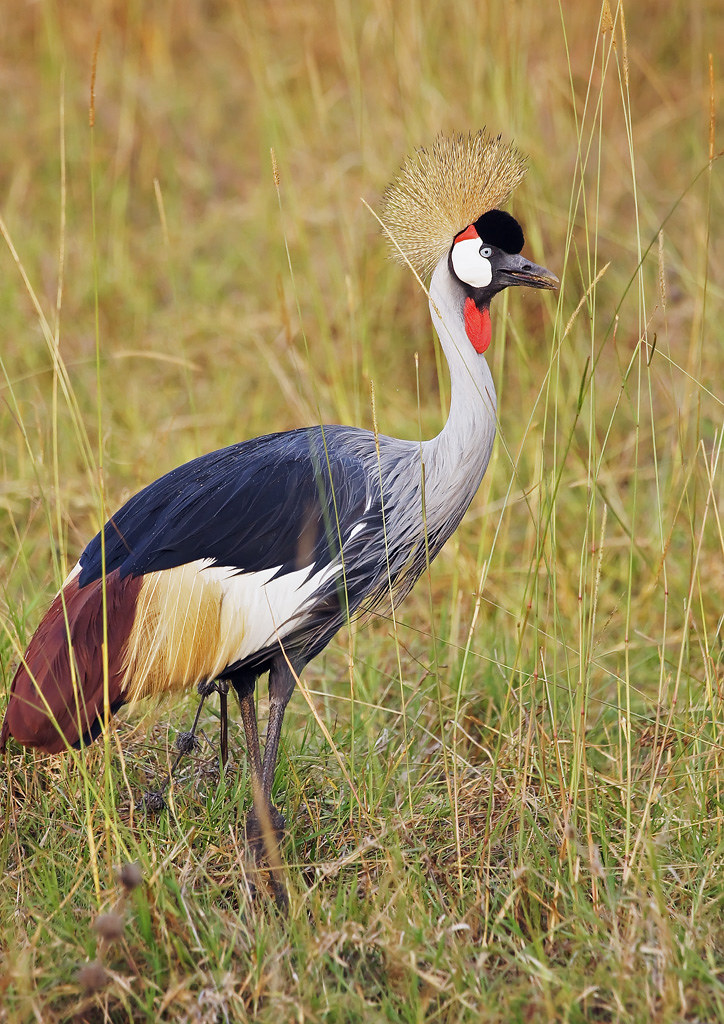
282,500
279,500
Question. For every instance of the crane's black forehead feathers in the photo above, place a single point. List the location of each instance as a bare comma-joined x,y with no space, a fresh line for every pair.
498,228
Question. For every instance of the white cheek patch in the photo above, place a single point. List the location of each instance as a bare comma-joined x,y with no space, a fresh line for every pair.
469,265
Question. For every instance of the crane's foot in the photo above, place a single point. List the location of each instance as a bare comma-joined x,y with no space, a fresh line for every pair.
260,882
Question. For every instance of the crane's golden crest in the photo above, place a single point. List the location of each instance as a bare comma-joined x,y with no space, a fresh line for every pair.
442,189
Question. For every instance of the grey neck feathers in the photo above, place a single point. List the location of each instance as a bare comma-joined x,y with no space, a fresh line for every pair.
419,523
460,452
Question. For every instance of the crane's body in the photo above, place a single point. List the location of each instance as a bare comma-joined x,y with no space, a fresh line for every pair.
249,559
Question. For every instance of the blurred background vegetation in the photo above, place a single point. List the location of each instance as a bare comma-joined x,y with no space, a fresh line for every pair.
535,747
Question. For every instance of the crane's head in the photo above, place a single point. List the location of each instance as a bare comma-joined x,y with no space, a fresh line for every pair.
484,259
444,205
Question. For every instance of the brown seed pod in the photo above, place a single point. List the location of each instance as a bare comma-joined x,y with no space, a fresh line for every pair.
93,976
109,926
130,876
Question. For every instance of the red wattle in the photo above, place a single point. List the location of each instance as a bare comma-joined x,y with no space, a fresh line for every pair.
477,325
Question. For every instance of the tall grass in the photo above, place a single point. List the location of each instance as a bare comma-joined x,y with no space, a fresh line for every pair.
506,804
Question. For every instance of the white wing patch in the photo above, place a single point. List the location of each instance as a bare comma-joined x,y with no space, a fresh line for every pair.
193,621
71,576
267,606
469,265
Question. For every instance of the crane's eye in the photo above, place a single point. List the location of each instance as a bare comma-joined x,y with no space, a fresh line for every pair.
486,251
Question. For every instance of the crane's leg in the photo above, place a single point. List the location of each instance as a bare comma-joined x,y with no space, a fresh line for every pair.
264,825
244,686
265,819
281,686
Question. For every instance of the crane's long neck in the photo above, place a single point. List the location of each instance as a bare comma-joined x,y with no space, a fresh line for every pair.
460,452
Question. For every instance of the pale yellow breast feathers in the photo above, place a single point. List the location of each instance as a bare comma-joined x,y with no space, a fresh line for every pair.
179,637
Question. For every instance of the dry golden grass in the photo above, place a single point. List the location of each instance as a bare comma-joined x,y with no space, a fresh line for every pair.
508,805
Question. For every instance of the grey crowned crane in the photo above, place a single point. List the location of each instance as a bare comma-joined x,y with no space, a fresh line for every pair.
248,560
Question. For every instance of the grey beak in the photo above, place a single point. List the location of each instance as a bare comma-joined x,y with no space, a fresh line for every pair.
515,269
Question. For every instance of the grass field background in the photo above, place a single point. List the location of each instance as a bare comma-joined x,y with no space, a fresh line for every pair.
508,804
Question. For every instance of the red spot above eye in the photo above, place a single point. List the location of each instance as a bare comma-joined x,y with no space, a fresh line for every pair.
469,232
477,325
